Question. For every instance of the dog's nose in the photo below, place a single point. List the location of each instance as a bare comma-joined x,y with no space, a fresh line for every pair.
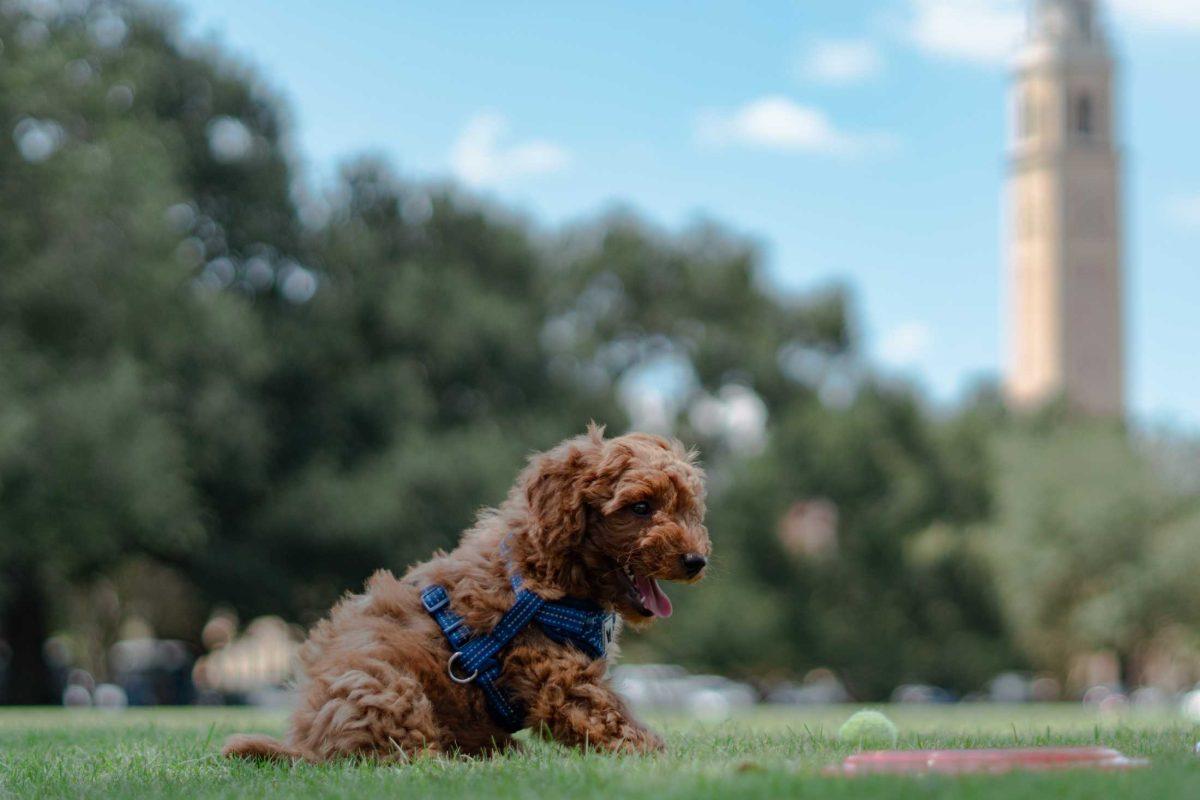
693,563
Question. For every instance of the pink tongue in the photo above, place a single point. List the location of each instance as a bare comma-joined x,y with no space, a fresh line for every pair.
655,600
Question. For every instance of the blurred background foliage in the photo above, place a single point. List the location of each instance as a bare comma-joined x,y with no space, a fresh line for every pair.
223,386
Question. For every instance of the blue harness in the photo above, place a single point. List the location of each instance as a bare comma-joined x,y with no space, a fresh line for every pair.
579,623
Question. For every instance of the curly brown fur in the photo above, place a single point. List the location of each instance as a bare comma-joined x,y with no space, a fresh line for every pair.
581,520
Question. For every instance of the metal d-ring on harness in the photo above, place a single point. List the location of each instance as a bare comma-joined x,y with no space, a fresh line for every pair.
450,670
473,659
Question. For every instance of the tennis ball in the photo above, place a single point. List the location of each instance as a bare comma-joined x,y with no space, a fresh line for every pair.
869,729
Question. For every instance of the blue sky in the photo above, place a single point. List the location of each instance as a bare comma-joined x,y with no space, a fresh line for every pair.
858,142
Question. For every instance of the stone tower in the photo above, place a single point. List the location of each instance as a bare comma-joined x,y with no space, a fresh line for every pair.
1064,216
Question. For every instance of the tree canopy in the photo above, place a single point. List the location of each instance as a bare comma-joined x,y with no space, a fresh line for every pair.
217,376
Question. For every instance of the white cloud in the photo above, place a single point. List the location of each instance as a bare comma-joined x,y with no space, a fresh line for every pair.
777,123
841,61
987,32
905,344
984,32
481,158
1165,14
1185,211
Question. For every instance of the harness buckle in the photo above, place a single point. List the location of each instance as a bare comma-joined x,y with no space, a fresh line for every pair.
456,678
434,599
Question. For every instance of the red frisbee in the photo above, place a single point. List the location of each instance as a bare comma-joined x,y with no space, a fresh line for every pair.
965,762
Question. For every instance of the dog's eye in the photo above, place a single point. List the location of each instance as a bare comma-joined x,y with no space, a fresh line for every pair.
641,508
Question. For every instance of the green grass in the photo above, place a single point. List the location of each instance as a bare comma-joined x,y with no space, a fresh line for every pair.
771,753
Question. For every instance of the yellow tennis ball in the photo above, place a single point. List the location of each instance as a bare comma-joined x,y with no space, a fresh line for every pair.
869,729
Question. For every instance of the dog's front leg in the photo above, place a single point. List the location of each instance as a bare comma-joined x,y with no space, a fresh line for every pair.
569,699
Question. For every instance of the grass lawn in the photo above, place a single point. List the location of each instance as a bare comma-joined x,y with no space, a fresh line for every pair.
770,753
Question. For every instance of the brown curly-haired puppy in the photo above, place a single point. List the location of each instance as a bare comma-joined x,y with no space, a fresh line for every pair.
594,518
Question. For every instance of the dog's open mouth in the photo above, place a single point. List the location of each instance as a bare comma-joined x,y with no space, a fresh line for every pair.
646,596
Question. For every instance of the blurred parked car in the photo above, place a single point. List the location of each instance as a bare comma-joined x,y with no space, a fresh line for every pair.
664,687
920,694
1190,705
148,672
820,687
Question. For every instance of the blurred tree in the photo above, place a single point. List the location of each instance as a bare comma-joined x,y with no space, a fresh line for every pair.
1092,549
115,358
693,312
209,372
402,396
894,592
904,596
272,430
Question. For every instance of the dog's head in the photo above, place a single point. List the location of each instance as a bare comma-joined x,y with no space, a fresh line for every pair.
613,517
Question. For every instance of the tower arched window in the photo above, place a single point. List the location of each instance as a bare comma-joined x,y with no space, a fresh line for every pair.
1084,115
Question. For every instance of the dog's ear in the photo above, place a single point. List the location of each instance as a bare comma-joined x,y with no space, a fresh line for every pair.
555,486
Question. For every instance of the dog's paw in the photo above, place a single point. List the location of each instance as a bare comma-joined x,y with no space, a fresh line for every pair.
641,742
